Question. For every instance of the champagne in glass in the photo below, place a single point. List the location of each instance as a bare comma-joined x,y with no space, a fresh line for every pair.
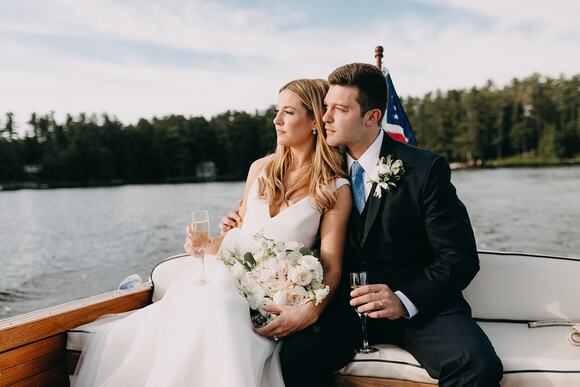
357,280
200,237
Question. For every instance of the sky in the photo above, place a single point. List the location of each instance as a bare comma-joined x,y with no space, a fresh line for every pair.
142,58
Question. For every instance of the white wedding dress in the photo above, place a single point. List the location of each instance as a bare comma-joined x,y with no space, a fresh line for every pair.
199,335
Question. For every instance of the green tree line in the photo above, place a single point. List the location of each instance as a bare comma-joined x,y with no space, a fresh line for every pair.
534,117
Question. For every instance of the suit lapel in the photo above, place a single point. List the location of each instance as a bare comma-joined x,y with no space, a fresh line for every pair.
374,204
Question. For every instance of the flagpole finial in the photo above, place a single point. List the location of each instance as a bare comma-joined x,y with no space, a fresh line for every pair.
379,56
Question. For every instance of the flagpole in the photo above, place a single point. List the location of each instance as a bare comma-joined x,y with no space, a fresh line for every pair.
379,56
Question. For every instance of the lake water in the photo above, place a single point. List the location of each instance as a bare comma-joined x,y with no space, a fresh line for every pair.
63,244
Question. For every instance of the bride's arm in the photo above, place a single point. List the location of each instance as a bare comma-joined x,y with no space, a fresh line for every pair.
332,239
253,173
333,229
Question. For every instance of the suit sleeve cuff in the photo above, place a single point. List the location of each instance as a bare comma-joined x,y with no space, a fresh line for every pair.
411,308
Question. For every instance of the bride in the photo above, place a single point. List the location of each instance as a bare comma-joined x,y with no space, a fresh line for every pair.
202,335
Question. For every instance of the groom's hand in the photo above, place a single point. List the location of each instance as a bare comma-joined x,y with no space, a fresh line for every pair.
378,301
291,319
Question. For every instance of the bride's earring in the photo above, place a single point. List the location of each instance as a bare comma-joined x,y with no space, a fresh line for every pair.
314,130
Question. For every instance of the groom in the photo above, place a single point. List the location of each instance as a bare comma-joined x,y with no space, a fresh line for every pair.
415,239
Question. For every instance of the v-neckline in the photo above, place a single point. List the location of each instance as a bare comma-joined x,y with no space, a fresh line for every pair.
284,210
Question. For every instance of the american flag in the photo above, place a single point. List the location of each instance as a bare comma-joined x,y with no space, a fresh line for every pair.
395,122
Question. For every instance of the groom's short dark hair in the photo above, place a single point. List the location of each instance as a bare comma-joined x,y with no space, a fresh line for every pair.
370,81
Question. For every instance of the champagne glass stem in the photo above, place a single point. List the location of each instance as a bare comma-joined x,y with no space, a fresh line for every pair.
202,270
363,321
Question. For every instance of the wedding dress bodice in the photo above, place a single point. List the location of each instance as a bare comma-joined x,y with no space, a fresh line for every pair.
298,222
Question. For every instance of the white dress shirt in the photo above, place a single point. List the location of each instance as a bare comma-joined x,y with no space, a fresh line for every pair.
368,162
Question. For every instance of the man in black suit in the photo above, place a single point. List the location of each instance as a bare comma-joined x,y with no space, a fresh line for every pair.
414,239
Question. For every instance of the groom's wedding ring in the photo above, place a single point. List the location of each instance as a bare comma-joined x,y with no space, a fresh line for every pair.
276,338
381,304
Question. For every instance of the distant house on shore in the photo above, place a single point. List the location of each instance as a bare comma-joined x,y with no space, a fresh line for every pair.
206,170
32,169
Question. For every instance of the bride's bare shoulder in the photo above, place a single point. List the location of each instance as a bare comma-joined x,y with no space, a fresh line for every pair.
257,167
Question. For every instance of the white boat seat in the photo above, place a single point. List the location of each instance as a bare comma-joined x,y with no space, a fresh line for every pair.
531,357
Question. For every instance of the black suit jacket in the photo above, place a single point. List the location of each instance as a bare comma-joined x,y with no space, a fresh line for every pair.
417,238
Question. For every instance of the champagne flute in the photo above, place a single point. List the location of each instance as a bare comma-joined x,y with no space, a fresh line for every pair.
357,280
200,237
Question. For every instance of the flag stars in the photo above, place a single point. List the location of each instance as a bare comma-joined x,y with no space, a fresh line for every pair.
396,116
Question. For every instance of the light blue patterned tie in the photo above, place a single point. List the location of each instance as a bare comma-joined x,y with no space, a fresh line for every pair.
358,186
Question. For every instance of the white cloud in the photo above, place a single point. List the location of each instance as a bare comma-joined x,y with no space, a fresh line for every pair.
555,15
258,54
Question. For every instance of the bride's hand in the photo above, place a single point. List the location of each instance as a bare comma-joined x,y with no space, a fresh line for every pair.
188,245
291,319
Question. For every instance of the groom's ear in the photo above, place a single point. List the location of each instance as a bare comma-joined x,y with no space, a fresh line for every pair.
372,118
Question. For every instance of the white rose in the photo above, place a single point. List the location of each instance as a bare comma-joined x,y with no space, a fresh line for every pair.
296,295
300,275
282,269
256,297
267,270
238,271
281,297
313,264
271,287
321,294
248,281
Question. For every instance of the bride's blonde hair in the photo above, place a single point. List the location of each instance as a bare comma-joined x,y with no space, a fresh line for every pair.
323,168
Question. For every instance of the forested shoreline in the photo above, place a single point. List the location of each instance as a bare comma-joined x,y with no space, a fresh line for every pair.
531,121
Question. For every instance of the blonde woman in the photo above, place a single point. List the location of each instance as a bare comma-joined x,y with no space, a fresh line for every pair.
202,335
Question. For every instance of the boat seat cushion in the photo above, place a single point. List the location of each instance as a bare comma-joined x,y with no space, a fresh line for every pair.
530,356
164,272
77,337
525,287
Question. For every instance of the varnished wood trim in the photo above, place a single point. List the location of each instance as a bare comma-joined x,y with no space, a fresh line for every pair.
21,330
28,352
363,381
28,369
54,377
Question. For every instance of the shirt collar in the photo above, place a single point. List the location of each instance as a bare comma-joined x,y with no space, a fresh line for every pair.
368,160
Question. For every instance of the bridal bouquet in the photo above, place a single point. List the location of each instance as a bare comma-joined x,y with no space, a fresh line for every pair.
275,273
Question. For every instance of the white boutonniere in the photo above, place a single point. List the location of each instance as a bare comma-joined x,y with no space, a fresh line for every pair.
386,174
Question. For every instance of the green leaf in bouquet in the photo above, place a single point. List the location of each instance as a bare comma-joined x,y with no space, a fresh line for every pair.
307,251
243,262
249,258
